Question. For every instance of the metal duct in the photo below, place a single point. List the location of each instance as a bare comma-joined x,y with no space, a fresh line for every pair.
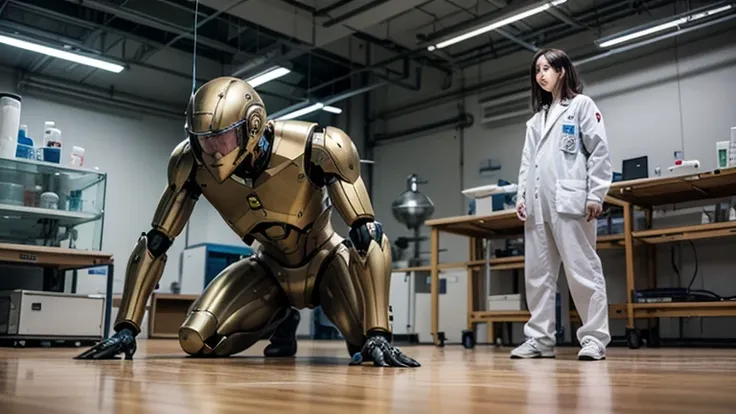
100,97
505,107
464,120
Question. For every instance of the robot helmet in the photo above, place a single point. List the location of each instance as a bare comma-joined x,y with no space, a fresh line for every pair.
225,121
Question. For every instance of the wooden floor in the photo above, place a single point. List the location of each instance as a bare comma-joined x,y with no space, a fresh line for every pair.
452,380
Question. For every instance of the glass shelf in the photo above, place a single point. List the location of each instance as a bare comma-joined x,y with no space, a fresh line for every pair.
48,204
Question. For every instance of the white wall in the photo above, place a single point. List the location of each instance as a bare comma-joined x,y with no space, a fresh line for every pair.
134,153
654,101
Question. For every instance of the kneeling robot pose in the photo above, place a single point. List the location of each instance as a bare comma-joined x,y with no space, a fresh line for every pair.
270,181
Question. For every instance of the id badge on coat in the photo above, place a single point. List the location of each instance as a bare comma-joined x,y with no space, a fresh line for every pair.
569,142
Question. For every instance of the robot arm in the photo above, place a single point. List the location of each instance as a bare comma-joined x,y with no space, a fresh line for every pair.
146,263
335,163
148,258
334,155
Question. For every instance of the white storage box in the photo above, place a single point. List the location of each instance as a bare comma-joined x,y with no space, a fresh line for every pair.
49,315
512,302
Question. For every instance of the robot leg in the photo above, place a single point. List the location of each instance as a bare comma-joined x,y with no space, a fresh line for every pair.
340,301
241,306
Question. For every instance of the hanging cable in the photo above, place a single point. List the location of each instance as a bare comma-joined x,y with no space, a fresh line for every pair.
194,52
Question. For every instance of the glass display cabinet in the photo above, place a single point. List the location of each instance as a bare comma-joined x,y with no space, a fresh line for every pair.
47,204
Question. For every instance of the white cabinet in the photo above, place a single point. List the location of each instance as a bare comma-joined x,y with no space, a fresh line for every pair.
411,302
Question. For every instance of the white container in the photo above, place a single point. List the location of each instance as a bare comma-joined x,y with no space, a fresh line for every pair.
76,157
49,200
512,302
51,315
51,135
9,124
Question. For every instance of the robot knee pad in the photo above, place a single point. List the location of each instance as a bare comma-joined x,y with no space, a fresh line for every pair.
196,331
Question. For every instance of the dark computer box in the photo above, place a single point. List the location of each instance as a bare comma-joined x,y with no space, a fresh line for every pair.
635,168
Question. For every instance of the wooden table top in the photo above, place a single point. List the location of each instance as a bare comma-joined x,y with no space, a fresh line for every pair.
59,257
648,192
499,223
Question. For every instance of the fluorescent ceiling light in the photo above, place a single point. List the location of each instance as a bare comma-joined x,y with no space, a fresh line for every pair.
664,26
300,112
267,76
61,54
309,109
332,109
495,25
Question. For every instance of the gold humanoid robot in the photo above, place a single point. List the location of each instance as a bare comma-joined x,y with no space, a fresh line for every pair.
274,182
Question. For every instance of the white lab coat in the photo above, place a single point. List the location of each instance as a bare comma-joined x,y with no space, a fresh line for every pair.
565,163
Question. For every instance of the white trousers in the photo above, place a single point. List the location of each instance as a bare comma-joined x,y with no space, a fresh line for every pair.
571,241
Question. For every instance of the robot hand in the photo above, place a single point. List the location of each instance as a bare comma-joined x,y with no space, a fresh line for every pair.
123,341
362,235
383,354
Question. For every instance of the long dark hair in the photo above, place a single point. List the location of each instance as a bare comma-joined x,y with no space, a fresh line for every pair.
570,87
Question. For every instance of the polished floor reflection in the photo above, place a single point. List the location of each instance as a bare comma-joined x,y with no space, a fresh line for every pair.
452,380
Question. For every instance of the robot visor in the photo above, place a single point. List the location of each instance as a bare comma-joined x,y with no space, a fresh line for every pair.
221,143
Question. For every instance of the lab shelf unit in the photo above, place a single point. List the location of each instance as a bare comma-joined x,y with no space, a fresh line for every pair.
643,195
52,217
646,195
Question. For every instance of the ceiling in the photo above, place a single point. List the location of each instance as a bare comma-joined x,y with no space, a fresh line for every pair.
334,48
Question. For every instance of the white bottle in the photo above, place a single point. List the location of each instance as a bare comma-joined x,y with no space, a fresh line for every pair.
51,135
51,143
9,124
76,157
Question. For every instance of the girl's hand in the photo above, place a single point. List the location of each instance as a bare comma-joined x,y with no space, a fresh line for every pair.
593,210
521,210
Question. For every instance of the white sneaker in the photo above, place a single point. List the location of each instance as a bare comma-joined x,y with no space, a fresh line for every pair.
531,348
592,350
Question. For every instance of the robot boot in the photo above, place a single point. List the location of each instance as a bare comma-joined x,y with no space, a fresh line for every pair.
283,340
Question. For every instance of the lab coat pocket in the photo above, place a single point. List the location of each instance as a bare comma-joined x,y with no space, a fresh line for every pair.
570,197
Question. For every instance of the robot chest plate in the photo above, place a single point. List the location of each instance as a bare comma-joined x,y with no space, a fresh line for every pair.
281,197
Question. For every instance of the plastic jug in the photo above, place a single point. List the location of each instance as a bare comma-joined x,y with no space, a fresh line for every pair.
9,124
25,147
51,143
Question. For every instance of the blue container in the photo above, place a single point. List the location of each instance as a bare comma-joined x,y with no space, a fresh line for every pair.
52,154
25,149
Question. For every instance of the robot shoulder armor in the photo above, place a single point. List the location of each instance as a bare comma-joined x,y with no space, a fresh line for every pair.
335,153
181,164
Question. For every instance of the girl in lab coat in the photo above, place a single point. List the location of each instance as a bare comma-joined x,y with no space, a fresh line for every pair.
564,176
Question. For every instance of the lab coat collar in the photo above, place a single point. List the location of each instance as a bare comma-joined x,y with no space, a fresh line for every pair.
564,105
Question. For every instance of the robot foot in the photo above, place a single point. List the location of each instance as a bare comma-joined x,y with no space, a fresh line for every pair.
283,340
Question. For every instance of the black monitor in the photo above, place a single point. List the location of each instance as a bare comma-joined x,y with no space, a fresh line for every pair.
635,168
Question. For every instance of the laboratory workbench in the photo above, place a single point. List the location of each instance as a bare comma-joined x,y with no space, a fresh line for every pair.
643,195
55,261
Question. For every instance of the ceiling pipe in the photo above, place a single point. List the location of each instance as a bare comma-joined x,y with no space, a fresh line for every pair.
334,6
101,97
327,101
464,120
352,13
142,18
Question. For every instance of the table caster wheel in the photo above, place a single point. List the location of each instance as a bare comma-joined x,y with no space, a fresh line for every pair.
441,338
468,339
633,338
